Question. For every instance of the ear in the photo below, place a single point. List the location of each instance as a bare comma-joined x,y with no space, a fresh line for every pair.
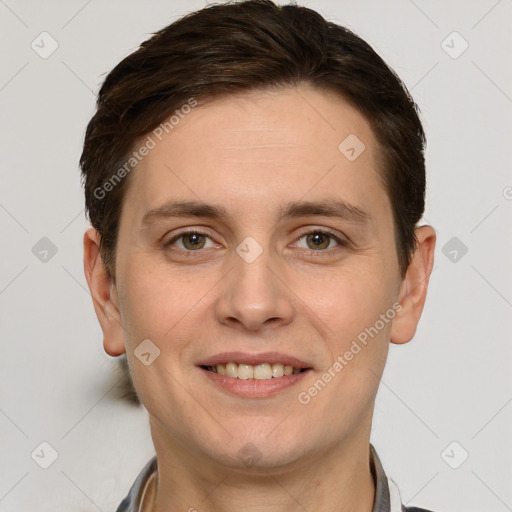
104,295
413,290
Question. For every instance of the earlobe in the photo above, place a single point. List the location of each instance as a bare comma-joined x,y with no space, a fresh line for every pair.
413,290
104,295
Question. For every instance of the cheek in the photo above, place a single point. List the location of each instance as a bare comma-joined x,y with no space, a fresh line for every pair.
347,299
359,314
154,300
155,306
355,309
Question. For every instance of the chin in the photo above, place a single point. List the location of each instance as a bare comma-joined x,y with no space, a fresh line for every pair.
253,451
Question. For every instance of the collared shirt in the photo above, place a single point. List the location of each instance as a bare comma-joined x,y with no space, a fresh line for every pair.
387,497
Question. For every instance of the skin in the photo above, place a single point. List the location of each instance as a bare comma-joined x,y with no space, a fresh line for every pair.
253,154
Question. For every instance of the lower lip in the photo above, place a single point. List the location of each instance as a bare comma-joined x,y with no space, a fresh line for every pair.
254,388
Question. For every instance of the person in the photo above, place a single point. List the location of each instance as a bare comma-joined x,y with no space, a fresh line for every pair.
255,178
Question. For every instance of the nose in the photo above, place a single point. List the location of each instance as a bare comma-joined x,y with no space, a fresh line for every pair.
254,295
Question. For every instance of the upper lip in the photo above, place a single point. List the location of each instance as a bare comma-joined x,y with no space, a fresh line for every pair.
254,359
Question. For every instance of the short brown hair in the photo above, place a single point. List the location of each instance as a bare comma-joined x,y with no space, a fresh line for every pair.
240,46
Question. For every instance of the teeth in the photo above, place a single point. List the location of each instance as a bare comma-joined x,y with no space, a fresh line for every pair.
277,370
262,371
231,370
245,371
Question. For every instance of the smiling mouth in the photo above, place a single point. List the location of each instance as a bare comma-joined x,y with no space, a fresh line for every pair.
263,371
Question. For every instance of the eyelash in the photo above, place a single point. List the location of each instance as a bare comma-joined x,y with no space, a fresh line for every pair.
326,252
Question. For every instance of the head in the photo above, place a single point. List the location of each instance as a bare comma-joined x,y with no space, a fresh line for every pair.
296,156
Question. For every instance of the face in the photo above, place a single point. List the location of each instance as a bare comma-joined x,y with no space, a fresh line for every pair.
247,236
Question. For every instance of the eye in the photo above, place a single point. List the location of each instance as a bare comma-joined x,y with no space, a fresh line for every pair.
320,240
190,241
193,240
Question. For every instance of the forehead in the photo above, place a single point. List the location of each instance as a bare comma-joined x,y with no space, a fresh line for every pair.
264,146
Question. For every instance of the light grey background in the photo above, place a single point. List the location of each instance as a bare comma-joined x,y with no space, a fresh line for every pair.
452,383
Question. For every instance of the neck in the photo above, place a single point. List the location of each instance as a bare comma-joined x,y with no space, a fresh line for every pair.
338,480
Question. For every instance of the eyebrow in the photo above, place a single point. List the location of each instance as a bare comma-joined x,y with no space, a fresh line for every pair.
329,207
